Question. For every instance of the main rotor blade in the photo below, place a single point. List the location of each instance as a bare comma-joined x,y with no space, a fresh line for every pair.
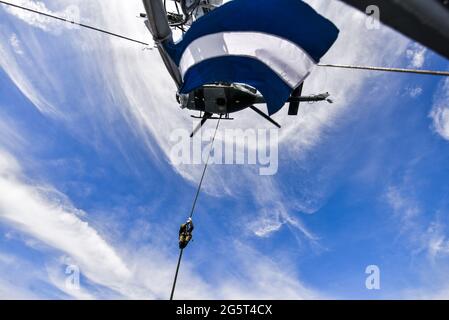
400,70
73,22
265,116
206,116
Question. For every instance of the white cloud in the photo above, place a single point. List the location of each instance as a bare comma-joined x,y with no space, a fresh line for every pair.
403,206
29,17
9,291
28,208
15,43
59,280
264,279
15,67
267,224
274,215
434,242
15,275
440,117
40,21
416,55
9,137
422,235
409,216
414,92
440,110
437,240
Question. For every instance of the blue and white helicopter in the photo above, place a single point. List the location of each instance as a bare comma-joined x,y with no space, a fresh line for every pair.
235,55
225,63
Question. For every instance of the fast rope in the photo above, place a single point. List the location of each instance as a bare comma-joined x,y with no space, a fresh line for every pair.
192,212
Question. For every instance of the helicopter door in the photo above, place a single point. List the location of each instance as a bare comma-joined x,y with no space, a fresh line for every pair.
215,99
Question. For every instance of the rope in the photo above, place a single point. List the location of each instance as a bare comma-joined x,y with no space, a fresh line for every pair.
204,170
176,275
194,205
73,22
426,72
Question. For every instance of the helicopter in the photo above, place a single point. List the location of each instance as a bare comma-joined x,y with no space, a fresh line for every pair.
212,100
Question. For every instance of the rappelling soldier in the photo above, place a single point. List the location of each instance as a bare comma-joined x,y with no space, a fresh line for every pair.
185,233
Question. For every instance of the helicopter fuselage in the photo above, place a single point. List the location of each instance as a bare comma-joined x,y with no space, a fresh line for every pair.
220,99
212,99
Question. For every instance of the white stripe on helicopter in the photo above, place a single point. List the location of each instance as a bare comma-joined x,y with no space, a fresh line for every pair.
286,59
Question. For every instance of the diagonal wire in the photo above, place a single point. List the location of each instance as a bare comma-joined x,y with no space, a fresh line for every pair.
422,72
72,22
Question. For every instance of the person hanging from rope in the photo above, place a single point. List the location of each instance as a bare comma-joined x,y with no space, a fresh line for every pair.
185,233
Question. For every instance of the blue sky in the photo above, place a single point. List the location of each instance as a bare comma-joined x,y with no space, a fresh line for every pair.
86,178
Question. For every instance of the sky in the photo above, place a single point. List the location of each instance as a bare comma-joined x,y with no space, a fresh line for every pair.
87,179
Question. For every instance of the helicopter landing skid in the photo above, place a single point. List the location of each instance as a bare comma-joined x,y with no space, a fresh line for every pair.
212,118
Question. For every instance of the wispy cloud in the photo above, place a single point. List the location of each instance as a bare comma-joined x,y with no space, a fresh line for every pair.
9,63
423,234
39,21
404,206
28,208
19,274
438,241
15,43
414,92
265,279
440,110
416,55
273,215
